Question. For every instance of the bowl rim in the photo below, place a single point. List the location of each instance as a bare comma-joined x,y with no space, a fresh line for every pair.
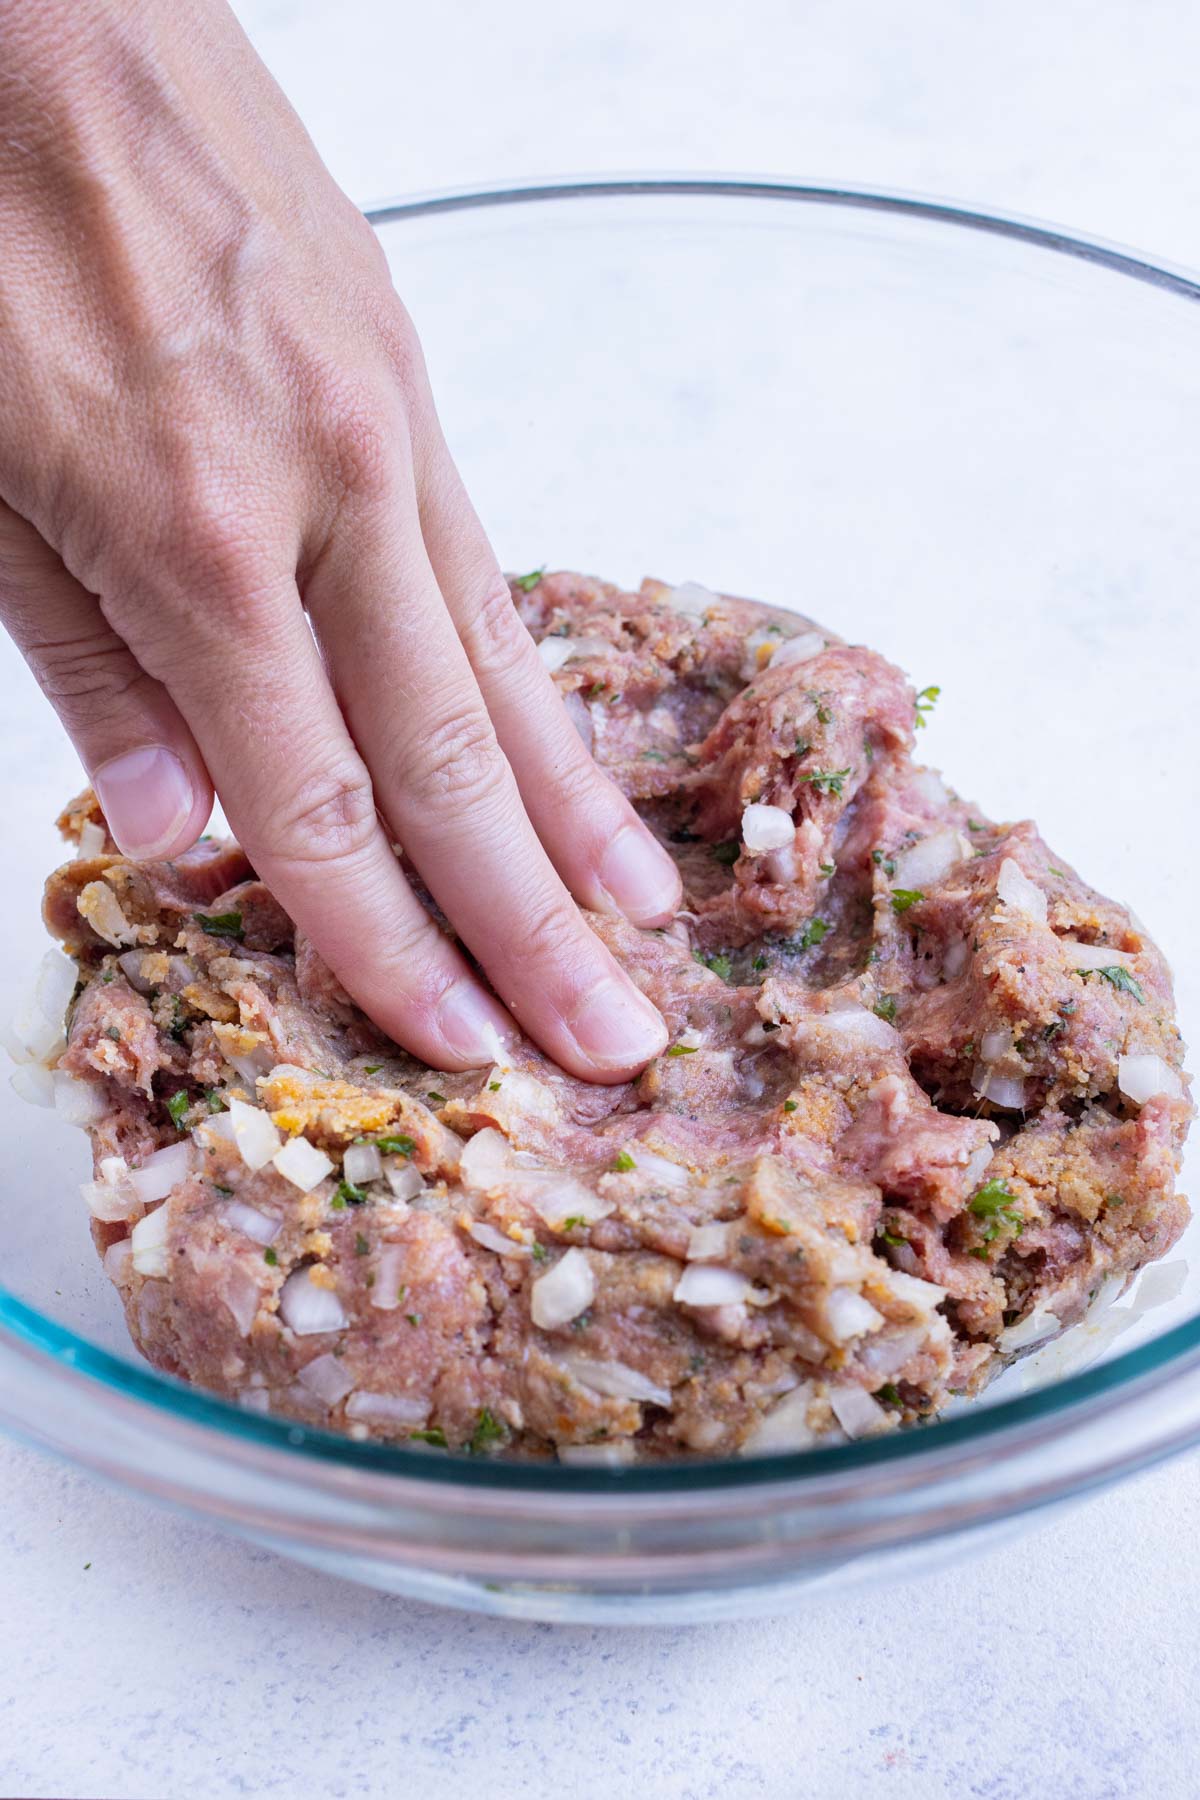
27,1333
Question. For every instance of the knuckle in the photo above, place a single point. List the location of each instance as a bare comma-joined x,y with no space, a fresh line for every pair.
330,817
559,937
498,643
457,763
96,671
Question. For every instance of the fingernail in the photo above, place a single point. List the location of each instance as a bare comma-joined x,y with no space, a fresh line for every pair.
146,797
473,1025
638,876
615,1027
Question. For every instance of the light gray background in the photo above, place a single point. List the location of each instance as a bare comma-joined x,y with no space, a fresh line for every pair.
181,1664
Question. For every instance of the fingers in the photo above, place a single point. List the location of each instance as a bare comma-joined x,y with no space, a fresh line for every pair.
445,787
602,849
300,800
140,756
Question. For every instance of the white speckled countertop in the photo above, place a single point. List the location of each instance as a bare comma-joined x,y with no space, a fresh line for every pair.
143,1656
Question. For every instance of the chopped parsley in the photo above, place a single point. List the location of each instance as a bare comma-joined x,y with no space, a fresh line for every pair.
720,965
759,963
727,853
488,1431
790,1105
974,825
889,1394
572,1223
1122,980
885,1007
413,1318
433,1434
622,1163
397,1145
113,1032
653,756
996,1203
813,933
827,868
682,1049
223,925
527,583
927,699
493,1087
539,1252
886,863
435,1099
889,1237
177,1106
802,746
215,1101
827,781
903,898
372,1068
1114,1200
346,1194
270,1257
582,1322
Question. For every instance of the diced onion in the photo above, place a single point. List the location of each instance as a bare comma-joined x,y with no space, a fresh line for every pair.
785,1427
615,1455
254,1134
111,1197
362,1163
887,1354
240,1292
388,1290
301,1163
859,1025
130,962
563,1292
1001,1090
556,1197
161,1172
692,599
615,1379
858,1413
1017,891
77,1102
926,862
148,1241
103,911
929,787
326,1377
1093,956
1041,1323
308,1309
1145,1077
491,1239
994,1046
767,828
554,652
519,1091
708,1284
974,1166
801,648
252,1223
33,1084
485,1159
37,1028
925,1296
405,1181
954,958
848,1315
254,1399
387,1409
708,1243
661,1168
91,840
118,1261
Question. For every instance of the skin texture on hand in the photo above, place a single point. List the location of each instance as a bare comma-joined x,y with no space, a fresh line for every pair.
236,553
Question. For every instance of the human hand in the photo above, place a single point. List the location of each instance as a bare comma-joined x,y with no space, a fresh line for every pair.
214,421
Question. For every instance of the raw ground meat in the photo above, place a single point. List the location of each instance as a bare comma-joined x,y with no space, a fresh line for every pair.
890,1140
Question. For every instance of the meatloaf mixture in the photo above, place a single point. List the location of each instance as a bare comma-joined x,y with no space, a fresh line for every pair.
923,1094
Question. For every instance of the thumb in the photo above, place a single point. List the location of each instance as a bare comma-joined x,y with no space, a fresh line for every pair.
140,756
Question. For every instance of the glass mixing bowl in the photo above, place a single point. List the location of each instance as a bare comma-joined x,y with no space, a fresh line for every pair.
966,440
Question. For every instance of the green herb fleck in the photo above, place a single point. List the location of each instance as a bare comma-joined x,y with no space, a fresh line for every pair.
493,1087
927,699
177,1106
889,1394
223,925
720,965
396,1144
372,1068
361,1246
827,868
727,853
1114,1200
113,1032
270,1257
435,1099
885,1007
790,1105
802,746
996,1202
682,1049
974,825
539,1252
348,1194
622,1163
221,1189
433,1434
903,898
413,1318
1061,873
1122,980
488,1431
886,863
889,1237
572,1223
653,756
827,781
527,583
